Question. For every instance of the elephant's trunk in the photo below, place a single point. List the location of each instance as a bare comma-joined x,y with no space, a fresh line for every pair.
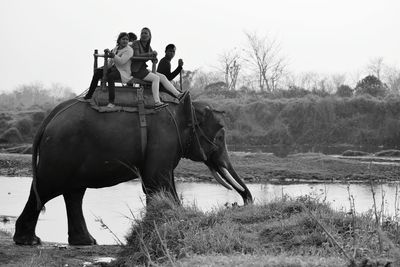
245,193
228,177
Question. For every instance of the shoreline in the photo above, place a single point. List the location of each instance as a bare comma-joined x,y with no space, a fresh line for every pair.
259,168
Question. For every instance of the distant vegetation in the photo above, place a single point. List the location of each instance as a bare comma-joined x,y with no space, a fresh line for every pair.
312,119
23,110
368,114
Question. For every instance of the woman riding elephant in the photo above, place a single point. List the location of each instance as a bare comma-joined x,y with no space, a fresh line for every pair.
142,48
119,68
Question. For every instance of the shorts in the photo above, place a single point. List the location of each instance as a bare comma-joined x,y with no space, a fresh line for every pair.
143,72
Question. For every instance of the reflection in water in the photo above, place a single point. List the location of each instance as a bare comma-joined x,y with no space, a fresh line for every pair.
115,205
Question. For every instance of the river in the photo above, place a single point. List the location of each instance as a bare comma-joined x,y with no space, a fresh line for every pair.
116,205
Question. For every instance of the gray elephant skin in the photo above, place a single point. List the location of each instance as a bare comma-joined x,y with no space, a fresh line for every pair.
77,147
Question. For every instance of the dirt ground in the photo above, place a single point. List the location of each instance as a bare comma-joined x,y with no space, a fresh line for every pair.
53,254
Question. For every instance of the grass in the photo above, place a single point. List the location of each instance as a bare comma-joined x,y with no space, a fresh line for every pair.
280,233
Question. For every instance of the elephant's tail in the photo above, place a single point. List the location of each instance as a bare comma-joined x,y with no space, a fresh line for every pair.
36,143
35,154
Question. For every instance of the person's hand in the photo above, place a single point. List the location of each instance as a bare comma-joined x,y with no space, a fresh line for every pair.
180,62
155,53
106,50
111,55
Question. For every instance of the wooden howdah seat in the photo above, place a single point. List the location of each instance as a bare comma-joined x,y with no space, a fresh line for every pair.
127,97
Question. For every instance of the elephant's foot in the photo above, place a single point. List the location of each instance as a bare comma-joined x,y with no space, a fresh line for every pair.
81,240
27,240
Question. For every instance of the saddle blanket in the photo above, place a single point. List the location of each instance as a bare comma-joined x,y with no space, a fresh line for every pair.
127,96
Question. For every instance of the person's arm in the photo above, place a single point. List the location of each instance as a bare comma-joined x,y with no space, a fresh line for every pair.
175,73
137,54
164,67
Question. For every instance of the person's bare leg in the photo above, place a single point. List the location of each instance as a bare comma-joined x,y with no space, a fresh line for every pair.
167,84
155,83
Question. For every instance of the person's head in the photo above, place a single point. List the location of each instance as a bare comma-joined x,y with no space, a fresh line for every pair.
145,34
132,37
123,39
170,51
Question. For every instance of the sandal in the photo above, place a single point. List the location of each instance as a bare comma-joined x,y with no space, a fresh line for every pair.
181,95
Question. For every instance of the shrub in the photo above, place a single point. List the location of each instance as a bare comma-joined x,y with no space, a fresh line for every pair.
344,91
38,117
371,85
24,126
11,136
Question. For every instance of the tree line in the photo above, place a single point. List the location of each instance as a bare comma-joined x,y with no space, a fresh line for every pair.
261,66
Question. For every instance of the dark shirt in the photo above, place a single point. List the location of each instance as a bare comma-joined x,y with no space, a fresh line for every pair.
139,50
164,67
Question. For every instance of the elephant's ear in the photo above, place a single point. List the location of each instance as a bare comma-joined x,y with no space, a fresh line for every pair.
204,114
209,118
187,107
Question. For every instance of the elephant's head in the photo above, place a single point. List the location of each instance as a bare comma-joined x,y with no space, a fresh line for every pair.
207,144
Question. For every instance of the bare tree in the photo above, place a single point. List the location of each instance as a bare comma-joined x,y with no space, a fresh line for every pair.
230,66
338,79
392,79
265,56
201,79
375,67
309,80
59,91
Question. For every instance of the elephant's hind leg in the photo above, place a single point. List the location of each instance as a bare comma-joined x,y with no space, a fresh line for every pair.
26,223
78,233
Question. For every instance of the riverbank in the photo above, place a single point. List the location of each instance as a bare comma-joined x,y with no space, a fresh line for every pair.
286,232
53,254
261,167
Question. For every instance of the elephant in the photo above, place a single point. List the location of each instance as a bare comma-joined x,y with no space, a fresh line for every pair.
76,148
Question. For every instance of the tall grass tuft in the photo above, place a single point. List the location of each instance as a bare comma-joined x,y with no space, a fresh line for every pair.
172,234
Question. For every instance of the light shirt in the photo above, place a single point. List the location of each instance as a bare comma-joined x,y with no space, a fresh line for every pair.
122,61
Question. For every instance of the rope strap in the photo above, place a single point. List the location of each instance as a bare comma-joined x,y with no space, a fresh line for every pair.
142,120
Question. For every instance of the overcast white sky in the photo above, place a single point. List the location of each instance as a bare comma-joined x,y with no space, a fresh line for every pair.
52,41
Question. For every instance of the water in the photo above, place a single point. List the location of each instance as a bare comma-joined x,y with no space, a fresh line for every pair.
284,150
116,205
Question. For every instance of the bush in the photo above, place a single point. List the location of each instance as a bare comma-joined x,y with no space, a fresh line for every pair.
11,136
24,126
38,117
292,92
344,91
371,85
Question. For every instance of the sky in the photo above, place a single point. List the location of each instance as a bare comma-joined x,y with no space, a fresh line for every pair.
52,41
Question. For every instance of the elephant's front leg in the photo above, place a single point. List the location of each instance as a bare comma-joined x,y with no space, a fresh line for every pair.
78,233
159,180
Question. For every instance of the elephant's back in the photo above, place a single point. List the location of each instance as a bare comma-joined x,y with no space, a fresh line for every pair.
74,124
